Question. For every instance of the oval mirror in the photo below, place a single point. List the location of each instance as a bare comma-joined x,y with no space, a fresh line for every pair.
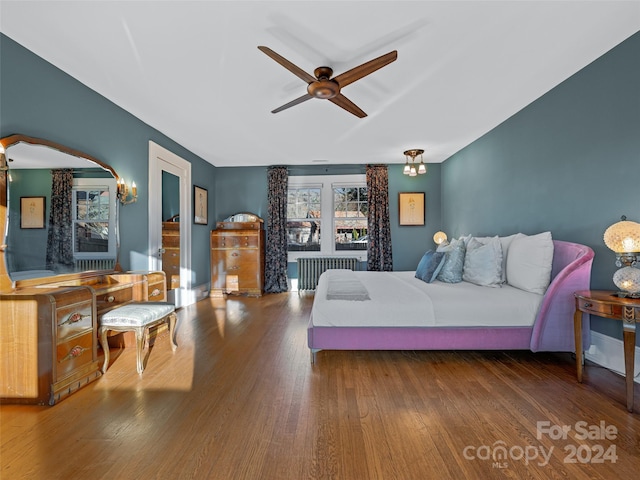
61,210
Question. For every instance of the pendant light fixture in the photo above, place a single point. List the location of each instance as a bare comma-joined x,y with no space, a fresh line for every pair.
410,164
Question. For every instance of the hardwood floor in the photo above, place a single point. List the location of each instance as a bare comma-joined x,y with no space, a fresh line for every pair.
240,400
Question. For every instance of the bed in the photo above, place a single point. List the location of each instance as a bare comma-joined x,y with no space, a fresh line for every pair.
405,313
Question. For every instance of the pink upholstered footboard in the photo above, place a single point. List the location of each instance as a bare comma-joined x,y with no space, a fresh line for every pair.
552,330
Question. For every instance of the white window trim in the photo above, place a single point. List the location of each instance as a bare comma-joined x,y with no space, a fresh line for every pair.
109,184
327,183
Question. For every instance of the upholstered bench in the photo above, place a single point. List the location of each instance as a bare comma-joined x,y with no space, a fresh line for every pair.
137,317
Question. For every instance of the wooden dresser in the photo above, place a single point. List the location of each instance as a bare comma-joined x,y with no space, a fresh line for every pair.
48,330
171,253
49,346
237,258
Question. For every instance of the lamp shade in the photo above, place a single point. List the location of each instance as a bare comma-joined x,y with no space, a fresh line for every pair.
439,237
623,237
627,279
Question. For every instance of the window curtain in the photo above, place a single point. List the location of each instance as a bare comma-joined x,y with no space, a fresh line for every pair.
59,239
379,256
275,275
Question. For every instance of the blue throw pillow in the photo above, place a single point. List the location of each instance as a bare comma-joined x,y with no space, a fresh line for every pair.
430,266
451,271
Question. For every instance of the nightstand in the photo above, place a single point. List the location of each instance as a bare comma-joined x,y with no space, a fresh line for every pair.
605,303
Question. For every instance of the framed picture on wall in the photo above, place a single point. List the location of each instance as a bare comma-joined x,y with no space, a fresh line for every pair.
32,212
411,208
200,204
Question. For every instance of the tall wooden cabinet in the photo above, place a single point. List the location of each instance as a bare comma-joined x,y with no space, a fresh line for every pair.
237,257
171,253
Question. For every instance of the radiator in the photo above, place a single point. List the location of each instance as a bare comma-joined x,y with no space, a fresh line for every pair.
95,264
310,269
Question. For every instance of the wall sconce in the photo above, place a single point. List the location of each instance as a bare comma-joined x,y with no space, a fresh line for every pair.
410,167
123,192
440,238
624,239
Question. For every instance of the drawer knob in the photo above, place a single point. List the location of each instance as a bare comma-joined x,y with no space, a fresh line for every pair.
110,298
74,318
588,305
75,352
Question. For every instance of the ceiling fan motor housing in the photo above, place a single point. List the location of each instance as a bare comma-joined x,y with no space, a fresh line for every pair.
324,87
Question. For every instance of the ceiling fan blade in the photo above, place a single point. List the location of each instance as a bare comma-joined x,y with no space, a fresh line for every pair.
292,103
365,69
297,71
348,105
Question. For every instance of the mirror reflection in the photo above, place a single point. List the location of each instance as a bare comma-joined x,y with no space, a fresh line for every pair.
62,212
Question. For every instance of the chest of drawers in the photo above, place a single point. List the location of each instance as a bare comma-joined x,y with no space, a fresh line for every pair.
171,253
49,344
237,259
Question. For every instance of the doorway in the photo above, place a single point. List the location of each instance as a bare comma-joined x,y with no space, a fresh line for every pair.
176,173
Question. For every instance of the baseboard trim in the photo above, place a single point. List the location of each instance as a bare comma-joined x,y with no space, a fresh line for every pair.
608,352
182,297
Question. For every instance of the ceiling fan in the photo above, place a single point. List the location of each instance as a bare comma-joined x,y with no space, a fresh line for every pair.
324,87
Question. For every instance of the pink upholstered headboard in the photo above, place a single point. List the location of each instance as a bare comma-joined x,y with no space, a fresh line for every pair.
571,271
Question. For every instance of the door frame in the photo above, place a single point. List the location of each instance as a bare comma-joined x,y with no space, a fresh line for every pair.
161,159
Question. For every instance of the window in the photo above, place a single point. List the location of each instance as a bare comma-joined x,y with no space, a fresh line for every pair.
94,235
350,209
304,218
327,215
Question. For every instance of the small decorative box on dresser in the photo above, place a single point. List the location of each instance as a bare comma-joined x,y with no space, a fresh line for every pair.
237,256
171,253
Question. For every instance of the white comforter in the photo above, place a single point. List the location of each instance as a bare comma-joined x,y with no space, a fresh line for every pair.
398,299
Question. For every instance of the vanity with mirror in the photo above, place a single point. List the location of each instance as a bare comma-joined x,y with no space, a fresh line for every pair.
59,269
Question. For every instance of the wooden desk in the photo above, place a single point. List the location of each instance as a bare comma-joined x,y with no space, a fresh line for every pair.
605,303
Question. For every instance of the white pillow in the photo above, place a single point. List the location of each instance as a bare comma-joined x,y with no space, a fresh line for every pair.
483,262
505,242
529,262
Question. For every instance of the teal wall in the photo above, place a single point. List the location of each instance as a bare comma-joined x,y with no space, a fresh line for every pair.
241,189
27,248
170,196
40,100
567,163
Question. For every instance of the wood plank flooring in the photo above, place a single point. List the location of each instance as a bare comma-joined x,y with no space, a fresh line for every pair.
240,399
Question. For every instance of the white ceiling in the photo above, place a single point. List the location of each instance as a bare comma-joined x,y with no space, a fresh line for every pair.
191,69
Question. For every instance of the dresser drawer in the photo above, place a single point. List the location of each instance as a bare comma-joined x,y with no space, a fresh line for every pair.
73,353
237,258
155,292
113,298
74,319
595,307
234,241
171,262
171,241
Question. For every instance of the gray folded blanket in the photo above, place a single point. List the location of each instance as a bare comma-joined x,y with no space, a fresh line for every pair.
344,285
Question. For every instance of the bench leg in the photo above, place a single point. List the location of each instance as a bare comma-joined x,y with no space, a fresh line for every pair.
141,340
105,348
172,328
